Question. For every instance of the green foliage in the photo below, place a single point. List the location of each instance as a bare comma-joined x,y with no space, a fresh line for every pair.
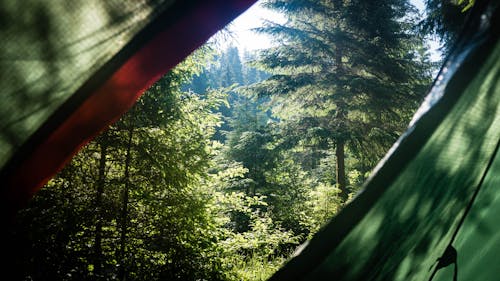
221,169
256,268
325,203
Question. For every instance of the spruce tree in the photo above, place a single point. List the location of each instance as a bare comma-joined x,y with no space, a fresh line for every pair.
348,71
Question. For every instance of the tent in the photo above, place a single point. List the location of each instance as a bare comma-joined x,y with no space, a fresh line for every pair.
69,69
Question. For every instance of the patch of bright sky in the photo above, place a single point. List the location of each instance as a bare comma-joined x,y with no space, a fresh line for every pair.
245,39
255,16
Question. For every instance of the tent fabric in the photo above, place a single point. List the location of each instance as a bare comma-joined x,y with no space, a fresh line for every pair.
411,210
68,69
478,241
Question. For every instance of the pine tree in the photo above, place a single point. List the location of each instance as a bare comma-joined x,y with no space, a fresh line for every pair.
345,71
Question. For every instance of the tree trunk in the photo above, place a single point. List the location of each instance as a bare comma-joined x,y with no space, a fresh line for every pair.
341,117
124,211
340,170
98,208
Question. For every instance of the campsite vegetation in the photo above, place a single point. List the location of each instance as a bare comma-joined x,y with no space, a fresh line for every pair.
232,160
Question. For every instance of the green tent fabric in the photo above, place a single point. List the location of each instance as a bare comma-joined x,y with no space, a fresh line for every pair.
70,68
432,205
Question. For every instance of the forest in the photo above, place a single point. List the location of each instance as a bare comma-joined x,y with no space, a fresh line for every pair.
233,159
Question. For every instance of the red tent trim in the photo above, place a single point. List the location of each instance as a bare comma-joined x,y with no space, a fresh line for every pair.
116,95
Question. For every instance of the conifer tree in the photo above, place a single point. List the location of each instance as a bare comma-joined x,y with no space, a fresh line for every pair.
346,71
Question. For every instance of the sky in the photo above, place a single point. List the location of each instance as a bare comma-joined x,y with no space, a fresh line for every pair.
252,18
245,39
